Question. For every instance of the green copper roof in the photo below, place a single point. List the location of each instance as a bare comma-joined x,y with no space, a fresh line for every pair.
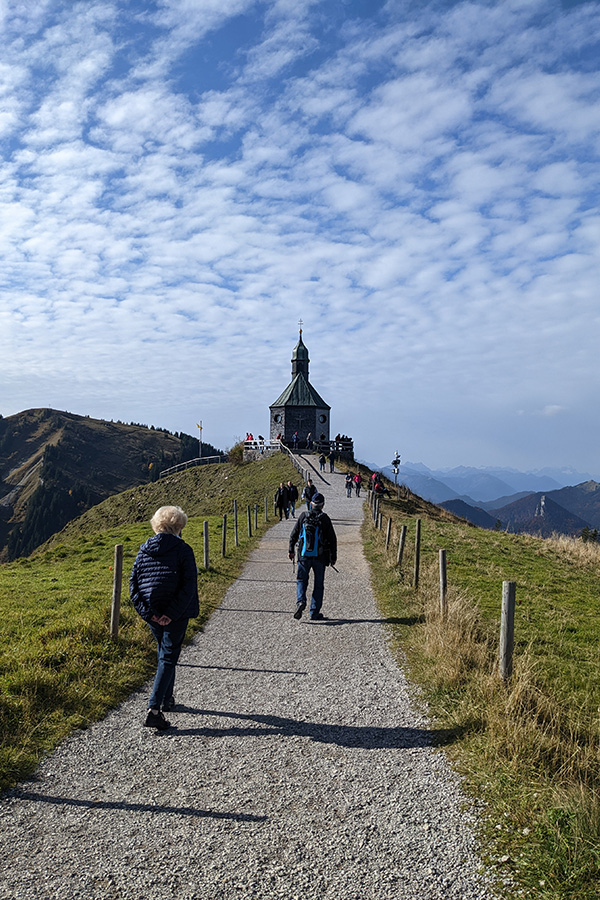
300,351
300,393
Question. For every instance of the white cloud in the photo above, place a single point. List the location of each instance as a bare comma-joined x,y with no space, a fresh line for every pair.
421,190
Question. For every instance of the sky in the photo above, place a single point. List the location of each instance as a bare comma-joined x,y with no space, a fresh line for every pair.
183,181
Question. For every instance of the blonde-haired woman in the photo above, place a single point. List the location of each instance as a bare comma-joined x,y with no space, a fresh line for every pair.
164,591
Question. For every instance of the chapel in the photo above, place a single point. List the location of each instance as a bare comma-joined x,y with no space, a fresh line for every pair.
300,409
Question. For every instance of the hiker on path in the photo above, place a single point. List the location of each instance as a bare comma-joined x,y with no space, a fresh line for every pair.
322,461
357,483
348,481
292,497
331,459
317,549
308,493
164,591
281,501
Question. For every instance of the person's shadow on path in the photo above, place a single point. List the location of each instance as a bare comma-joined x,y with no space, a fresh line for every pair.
361,736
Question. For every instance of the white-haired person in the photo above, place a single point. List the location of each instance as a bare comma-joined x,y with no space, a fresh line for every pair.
164,591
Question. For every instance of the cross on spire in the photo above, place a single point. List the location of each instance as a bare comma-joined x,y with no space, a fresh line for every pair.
300,323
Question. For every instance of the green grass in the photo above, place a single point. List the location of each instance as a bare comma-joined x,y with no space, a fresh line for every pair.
59,669
531,749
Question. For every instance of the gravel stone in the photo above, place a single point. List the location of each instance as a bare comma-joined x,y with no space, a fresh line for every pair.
299,765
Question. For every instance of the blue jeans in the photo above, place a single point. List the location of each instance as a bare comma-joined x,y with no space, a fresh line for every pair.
305,564
169,640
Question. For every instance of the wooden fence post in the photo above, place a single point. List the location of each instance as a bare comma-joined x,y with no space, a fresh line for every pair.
507,629
417,554
235,524
205,534
388,533
115,610
443,585
249,522
401,543
224,539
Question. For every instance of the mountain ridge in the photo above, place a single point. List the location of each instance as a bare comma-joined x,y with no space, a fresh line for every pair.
55,464
481,485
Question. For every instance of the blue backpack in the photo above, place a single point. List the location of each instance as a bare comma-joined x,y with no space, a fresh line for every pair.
310,539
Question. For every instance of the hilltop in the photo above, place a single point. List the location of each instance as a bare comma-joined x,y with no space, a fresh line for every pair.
54,465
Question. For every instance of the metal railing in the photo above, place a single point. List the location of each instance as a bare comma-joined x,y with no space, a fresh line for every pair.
199,461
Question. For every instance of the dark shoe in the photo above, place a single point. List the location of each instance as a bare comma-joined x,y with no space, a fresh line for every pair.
156,720
317,616
168,705
299,610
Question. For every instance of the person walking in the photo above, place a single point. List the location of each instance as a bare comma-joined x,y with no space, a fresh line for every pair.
317,548
322,461
292,497
348,481
164,591
281,501
357,483
331,459
308,493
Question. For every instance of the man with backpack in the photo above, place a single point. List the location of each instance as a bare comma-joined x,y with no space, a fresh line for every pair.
317,549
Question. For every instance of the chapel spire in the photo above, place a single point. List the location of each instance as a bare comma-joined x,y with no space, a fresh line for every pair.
300,359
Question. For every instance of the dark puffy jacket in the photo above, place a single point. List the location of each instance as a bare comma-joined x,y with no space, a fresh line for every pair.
164,579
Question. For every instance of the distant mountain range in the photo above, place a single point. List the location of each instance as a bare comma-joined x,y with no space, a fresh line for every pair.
484,484
543,502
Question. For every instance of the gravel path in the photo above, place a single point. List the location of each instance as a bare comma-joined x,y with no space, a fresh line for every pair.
298,768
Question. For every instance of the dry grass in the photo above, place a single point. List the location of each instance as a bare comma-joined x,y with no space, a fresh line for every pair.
529,748
575,550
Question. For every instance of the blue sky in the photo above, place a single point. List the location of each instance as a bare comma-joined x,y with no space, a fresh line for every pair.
182,181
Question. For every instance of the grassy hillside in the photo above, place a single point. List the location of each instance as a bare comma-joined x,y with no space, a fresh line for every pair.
58,668
202,491
54,465
530,749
